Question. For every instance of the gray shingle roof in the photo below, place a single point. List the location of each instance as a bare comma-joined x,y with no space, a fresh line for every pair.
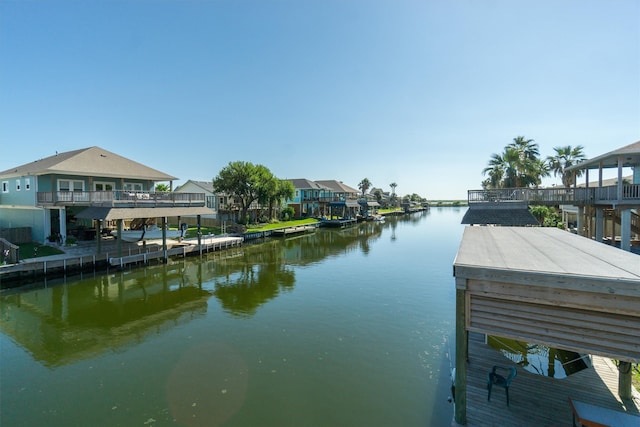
92,161
509,214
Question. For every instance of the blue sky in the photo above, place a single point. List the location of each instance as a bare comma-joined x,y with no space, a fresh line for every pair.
419,93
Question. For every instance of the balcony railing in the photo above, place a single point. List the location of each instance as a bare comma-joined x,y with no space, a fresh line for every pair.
120,198
555,196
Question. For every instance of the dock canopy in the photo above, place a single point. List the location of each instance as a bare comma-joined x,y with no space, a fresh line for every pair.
551,287
107,214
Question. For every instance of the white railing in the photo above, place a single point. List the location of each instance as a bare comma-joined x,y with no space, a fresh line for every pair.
609,194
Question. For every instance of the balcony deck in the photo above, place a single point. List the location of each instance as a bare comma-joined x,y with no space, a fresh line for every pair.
537,400
120,199
560,196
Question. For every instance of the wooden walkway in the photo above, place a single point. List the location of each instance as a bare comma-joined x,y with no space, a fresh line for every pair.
537,400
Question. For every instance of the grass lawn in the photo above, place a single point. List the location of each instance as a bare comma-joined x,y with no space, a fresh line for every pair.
28,250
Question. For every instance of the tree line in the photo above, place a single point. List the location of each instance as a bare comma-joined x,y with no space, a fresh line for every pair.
520,165
248,183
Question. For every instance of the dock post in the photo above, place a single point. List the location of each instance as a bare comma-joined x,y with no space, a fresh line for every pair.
462,353
624,380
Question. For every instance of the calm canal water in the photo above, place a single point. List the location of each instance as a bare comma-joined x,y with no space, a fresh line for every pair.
339,328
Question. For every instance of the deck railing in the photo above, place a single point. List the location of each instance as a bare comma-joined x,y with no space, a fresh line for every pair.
559,195
120,198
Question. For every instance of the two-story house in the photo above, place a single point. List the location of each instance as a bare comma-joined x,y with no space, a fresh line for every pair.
82,188
309,198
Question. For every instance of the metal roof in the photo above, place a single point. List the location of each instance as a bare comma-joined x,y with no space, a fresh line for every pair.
130,213
630,155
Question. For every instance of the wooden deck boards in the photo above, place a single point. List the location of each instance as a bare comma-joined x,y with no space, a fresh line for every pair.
537,400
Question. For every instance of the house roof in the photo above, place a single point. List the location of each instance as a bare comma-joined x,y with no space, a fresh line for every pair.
630,154
204,185
92,161
106,213
503,213
338,186
306,184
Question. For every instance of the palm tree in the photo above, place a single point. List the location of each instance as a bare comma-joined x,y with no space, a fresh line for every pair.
364,185
495,170
393,200
565,157
393,186
519,165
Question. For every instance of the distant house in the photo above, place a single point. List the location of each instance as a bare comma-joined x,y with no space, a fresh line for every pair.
309,198
340,190
205,187
68,192
385,196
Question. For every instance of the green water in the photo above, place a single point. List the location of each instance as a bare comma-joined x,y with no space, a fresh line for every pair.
338,328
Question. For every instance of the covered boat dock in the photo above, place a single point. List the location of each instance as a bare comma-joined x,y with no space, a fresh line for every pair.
549,287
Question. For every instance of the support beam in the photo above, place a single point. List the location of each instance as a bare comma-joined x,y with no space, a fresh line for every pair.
164,238
119,245
599,224
624,380
580,221
462,355
625,229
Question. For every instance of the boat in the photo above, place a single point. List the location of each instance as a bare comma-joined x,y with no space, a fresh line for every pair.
150,232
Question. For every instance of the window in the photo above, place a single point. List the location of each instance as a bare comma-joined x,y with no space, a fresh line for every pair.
66,185
132,186
17,185
104,186
5,186
27,184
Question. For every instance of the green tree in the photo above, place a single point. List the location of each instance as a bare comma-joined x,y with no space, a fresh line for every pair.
378,195
244,181
519,165
162,188
565,157
284,191
364,185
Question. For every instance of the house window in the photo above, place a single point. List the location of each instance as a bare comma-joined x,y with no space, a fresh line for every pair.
132,186
104,186
5,186
67,185
27,184
17,185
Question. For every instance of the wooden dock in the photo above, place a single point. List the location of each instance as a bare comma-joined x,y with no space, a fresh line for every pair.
338,223
85,258
185,248
292,231
537,400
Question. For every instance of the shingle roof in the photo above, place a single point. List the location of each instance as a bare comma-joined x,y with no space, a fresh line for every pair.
509,214
338,186
306,184
205,185
92,161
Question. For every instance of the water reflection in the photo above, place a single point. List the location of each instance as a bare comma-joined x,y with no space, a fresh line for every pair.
540,359
59,324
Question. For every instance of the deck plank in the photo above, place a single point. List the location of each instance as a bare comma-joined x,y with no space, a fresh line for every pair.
537,400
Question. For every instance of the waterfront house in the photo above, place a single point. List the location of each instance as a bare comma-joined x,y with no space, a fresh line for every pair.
614,203
206,187
339,190
310,198
76,192
612,207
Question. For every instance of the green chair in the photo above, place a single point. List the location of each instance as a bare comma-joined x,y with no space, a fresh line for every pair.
495,379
